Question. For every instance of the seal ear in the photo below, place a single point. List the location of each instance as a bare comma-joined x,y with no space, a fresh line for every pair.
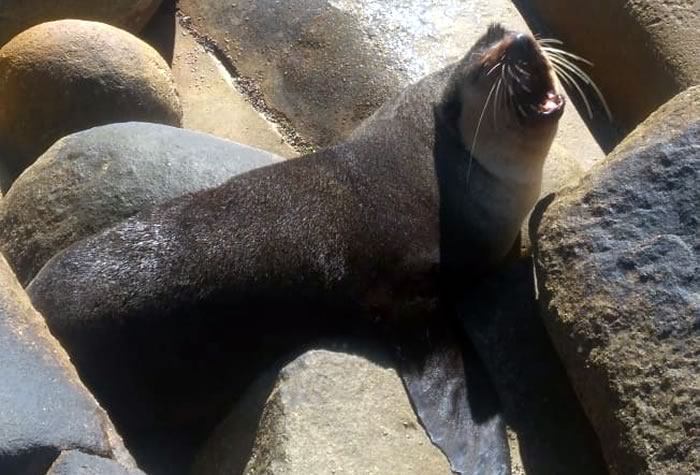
496,31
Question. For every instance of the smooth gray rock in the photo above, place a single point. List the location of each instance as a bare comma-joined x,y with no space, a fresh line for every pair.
65,76
44,408
92,179
78,463
618,261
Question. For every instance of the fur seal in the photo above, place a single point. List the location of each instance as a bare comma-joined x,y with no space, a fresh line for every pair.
430,191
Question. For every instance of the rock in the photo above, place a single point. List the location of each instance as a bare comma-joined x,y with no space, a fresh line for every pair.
5,180
212,104
44,408
329,412
644,51
617,262
500,315
18,15
560,170
95,178
75,462
323,65
64,76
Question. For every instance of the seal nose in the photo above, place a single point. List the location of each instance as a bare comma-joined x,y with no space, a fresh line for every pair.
521,46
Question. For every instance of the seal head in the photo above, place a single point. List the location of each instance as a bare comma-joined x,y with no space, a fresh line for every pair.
510,103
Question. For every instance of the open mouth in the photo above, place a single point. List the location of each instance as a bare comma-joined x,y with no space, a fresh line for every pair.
528,78
543,104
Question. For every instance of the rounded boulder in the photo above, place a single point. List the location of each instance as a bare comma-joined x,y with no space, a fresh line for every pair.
95,178
65,76
18,15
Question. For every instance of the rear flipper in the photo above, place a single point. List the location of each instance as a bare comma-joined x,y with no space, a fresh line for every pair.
455,401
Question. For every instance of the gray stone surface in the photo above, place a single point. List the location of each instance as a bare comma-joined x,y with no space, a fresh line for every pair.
618,265
65,76
92,179
18,15
329,412
75,462
325,65
44,408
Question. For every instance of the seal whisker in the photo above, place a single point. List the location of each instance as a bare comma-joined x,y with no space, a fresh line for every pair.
573,83
515,76
578,72
547,41
496,102
494,68
476,133
561,52
521,70
506,91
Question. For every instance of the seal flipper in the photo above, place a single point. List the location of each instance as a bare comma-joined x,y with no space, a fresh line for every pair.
455,402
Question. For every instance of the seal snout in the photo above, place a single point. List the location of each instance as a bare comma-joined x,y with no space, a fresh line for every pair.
531,84
521,46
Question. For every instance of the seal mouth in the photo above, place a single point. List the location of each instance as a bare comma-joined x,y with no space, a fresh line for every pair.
528,78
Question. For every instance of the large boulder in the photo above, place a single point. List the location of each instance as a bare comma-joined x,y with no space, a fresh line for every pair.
644,51
18,15
64,76
322,66
44,408
92,179
618,265
328,412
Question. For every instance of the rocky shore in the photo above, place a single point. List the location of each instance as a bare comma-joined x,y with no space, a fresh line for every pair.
590,335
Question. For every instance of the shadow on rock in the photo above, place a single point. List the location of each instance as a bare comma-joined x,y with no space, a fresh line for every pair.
500,316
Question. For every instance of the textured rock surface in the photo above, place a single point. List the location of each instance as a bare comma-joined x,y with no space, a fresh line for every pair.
327,64
644,51
211,102
74,462
92,179
618,268
329,412
64,76
44,408
18,15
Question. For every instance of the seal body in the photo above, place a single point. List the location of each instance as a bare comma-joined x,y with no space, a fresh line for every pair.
157,311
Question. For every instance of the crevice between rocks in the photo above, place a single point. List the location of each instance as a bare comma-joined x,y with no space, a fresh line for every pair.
248,88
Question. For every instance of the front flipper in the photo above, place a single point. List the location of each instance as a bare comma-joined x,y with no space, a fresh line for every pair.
455,402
